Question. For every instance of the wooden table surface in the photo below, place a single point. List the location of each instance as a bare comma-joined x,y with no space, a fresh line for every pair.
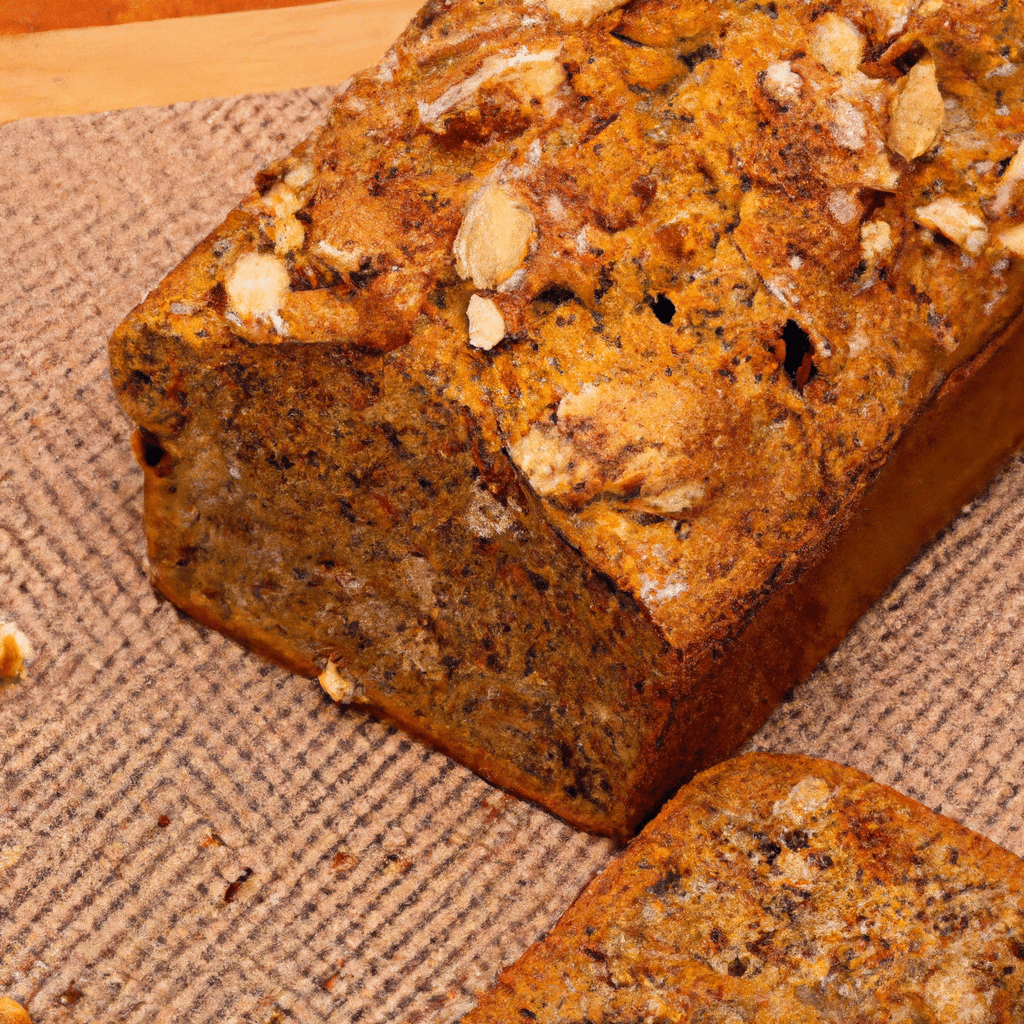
18,16
84,56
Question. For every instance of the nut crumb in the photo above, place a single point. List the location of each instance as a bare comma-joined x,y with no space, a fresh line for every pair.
894,13
782,83
582,12
1013,239
837,44
340,686
15,652
809,794
956,222
486,324
875,241
1011,178
258,285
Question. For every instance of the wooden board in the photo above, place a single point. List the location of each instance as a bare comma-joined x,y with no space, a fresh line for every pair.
79,71
46,15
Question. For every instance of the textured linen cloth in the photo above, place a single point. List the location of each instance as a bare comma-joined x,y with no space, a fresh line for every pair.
190,834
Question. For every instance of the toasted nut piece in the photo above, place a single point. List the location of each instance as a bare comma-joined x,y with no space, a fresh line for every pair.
583,12
348,260
894,13
538,80
493,240
1012,177
844,206
15,653
257,285
1013,239
917,114
12,1012
781,82
875,241
338,685
486,324
956,222
836,43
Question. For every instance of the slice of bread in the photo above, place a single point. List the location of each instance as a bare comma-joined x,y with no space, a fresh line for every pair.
569,394
784,890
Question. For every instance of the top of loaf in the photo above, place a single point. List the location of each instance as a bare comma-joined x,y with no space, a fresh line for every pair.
694,266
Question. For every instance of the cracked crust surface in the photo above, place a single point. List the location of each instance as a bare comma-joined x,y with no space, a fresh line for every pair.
782,890
667,277
730,158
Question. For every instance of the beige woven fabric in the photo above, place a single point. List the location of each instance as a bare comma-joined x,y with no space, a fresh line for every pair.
189,834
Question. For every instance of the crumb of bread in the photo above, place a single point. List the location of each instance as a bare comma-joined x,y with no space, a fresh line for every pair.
782,83
917,114
12,1012
339,685
848,125
15,652
843,206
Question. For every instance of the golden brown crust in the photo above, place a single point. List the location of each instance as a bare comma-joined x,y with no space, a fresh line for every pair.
778,890
634,301
735,159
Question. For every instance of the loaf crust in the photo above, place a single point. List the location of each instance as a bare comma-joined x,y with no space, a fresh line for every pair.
532,399
781,890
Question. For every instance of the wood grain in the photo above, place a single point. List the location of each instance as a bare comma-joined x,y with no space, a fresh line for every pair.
86,70
18,16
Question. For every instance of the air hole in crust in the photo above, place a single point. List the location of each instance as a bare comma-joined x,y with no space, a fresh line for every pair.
664,308
799,361
909,57
555,295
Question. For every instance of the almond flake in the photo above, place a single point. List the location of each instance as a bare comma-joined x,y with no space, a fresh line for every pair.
493,240
956,222
917,114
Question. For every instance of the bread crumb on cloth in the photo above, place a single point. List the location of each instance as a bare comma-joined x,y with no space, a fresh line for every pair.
16,653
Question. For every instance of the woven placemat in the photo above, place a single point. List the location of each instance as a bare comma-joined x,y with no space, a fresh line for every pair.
190,834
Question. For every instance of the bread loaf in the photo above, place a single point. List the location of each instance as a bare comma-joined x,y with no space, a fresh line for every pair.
784,890
571,392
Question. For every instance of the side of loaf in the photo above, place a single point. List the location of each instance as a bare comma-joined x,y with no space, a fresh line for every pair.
571,392
783,890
